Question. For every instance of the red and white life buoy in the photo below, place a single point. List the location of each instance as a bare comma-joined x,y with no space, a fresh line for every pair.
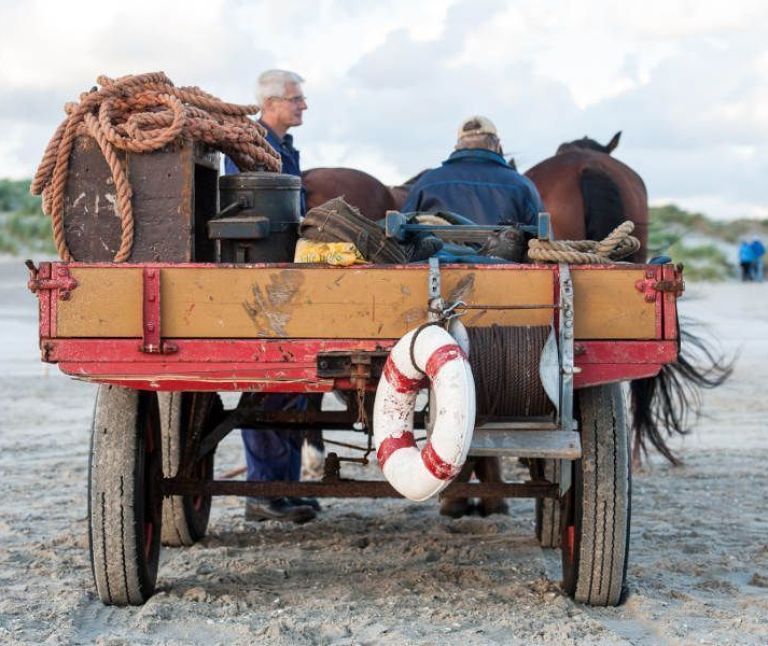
420,474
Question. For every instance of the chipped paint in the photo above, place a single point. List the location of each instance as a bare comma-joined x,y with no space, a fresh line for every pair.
463,290
270,309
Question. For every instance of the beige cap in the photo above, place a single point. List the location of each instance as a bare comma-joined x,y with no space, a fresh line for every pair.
476,125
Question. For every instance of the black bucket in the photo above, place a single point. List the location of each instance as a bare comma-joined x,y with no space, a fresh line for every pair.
259,217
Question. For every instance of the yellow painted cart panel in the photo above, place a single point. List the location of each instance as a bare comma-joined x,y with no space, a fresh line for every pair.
327,302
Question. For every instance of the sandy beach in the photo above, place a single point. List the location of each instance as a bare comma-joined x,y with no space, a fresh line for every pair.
392,571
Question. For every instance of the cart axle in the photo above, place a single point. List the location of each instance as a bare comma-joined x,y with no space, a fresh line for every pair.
350,489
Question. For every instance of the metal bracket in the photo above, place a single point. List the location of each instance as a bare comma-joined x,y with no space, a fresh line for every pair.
435,300
567,367
649,286
61,280
152,343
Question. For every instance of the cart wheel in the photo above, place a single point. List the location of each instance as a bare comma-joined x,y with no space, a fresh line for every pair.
595,539
124,506
185,518
548,509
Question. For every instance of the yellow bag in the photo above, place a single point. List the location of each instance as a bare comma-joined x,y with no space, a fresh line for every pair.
341,254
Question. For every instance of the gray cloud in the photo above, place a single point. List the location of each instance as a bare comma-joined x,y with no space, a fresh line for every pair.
692,123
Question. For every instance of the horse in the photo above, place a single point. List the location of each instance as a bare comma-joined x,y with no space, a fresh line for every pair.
588,193
372,198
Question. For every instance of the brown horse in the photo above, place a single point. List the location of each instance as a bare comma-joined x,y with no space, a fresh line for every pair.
359,189
588,193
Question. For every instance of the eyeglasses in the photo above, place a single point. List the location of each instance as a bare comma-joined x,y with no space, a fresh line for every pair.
296,100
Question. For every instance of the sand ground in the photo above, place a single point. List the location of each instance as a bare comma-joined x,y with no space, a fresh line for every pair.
391,572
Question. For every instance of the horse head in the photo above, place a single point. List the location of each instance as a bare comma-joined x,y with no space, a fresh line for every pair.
590,144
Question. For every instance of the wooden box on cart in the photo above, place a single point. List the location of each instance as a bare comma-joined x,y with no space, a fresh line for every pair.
174,194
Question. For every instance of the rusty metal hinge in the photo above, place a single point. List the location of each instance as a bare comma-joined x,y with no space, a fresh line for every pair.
60,280
650,286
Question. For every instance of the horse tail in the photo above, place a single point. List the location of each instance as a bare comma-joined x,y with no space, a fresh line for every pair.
663,406
603,208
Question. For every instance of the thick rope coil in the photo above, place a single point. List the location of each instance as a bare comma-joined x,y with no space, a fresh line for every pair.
139,114
618,244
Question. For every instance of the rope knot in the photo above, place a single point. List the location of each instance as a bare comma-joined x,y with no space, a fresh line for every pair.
618,244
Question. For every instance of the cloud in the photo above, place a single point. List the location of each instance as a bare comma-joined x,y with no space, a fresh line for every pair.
388,82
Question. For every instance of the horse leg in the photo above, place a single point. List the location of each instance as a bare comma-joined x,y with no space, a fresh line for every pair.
313,449
458,507
488,469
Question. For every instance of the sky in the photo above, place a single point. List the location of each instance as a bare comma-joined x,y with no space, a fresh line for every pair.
389,81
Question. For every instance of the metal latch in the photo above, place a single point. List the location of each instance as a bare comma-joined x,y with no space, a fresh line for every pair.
650,286
41,279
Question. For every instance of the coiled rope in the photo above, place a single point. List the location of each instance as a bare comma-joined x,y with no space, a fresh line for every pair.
616,245
139,114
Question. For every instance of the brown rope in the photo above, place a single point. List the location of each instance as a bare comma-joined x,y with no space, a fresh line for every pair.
139,114
618,244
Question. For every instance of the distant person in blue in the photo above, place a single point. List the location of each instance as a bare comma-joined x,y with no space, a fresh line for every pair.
747,260
477,182
276,454
759,251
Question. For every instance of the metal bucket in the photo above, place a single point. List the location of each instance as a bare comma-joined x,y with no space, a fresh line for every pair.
263,211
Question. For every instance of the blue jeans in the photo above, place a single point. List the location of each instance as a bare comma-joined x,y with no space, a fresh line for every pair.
275,454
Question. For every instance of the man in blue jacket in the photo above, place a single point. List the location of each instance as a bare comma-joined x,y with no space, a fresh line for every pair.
276,454
477,182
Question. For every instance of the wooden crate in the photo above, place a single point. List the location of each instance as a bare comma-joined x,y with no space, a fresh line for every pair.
175,192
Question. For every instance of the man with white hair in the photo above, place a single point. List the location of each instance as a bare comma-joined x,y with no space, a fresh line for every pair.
276,454
282,103
477,182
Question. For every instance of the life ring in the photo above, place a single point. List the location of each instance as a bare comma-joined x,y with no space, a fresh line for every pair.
420,474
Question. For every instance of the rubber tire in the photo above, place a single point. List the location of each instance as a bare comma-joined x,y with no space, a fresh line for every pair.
124,506
548,528
185,518
595,539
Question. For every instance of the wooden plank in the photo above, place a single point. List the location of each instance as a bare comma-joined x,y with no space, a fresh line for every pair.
105,303
499,286
607,305
565,445
325,302
335,303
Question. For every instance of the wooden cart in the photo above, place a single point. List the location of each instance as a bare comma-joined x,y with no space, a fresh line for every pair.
163,339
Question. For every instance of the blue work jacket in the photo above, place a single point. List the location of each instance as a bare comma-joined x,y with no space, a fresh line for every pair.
288,154
478,184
